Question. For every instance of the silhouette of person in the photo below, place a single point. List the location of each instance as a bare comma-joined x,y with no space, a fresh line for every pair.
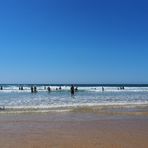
32,89
1,88
72,90
49,89
35,89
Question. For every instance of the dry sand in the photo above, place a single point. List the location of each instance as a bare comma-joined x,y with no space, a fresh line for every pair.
73,130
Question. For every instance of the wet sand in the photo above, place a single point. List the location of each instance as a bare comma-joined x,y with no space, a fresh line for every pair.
73,130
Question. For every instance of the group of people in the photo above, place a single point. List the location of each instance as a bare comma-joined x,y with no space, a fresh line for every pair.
34,89
72,89
21,88
121,88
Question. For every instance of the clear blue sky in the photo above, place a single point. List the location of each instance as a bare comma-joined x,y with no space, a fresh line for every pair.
73,41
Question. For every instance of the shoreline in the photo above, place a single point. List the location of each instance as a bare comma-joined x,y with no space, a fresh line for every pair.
124,108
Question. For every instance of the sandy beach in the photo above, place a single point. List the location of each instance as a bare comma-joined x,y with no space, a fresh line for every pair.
73,74
74,130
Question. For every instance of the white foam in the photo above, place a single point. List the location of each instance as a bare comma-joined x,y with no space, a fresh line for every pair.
67,88
12,98
65,107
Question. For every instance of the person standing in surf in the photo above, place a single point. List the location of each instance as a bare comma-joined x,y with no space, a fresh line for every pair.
72,90
49,89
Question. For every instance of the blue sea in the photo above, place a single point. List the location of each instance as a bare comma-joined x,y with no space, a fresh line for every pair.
11,98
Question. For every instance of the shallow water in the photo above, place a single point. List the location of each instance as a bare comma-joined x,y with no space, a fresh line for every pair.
12,98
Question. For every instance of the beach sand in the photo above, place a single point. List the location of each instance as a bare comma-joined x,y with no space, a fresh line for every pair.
74,130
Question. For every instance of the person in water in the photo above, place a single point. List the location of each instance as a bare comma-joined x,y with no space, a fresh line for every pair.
35,89
49,89
1,88
76,89
72,90
32,89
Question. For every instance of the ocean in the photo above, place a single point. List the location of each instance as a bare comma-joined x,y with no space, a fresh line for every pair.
13,99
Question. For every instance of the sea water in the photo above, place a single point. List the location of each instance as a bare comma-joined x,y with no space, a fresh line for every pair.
11,98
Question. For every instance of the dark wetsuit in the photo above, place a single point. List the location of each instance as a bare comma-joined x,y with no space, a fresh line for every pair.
72,90
49,89
32,89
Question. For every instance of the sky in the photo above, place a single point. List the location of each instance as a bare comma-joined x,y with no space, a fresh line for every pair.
74,41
